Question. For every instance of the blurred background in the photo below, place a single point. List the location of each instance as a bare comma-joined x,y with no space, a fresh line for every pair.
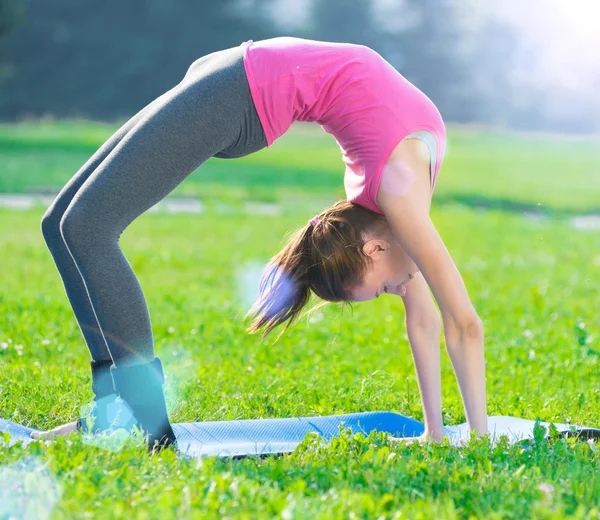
528,65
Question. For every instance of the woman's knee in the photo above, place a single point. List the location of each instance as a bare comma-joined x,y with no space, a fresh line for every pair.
86,226
51,220
50,225
76,227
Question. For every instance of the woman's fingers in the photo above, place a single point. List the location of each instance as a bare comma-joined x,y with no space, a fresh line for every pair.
63,430
407,440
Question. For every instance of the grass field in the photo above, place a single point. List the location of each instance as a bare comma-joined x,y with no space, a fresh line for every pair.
534,284
496,169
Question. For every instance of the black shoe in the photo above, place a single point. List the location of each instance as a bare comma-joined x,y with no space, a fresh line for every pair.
140,387
103,413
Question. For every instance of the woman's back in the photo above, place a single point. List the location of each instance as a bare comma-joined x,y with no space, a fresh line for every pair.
350,90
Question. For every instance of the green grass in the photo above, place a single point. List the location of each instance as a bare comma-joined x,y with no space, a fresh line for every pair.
495,168
534,284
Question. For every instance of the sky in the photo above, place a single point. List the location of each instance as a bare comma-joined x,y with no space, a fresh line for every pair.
563,35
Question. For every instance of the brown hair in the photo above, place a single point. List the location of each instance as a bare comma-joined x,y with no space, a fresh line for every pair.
327,258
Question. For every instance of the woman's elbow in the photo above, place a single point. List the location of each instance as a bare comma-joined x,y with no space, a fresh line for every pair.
470,329
474,328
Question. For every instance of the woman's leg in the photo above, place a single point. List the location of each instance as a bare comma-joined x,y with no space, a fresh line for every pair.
50,225
209,113
196,120
104,410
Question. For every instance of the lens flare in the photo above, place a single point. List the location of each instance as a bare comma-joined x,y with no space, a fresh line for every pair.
121,417
181,364
279,288
247,281
27,490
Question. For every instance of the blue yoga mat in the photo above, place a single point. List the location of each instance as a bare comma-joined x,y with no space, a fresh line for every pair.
278,436
263,436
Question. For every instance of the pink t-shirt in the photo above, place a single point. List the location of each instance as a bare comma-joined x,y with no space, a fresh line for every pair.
352,92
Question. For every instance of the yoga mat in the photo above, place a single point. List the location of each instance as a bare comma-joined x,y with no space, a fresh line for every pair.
278,436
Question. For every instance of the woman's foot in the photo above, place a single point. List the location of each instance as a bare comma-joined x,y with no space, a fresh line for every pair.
102,415
62,430
140,389
104,411
141,403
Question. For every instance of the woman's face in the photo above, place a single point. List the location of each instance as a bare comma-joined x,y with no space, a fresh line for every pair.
389,273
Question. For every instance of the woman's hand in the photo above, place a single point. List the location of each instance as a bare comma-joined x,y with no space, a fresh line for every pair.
63,430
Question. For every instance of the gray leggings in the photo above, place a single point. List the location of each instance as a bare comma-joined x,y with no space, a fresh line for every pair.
209,113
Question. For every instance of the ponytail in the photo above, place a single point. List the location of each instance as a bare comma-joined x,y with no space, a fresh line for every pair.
326,258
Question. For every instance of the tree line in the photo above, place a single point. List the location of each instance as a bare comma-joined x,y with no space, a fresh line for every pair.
106,60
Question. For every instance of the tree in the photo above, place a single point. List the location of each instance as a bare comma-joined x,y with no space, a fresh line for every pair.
106,60
341,21
12,14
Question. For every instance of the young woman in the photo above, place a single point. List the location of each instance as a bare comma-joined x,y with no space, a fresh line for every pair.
381,240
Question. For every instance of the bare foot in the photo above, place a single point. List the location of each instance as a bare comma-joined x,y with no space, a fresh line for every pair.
63,430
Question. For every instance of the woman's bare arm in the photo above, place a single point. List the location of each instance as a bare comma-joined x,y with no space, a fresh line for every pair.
424,327
404,197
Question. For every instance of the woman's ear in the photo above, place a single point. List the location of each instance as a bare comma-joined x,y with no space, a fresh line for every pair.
371,247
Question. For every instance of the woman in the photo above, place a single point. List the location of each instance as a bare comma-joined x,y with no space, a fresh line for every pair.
232,103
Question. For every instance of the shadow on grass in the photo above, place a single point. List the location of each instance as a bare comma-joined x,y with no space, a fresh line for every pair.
511,206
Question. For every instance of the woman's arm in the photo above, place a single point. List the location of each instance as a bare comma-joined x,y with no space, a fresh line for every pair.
404,197
424,327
